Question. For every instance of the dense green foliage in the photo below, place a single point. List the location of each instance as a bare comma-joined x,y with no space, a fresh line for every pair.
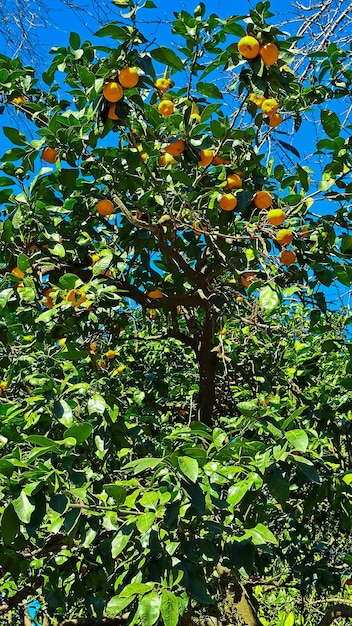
148,442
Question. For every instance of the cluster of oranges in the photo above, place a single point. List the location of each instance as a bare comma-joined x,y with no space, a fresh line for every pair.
250,48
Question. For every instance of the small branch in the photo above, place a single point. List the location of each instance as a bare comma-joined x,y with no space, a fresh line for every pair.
334,612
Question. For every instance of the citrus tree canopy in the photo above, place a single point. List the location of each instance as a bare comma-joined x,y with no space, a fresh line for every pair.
175,392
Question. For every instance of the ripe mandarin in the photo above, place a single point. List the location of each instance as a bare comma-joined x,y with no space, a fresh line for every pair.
275,120
262,199
128,77
49,154
228,202
287,257
270,106
276,217
175,148
113,92
163,84
269,53
206,157
284,236
233,181
166,108
105,207
248,47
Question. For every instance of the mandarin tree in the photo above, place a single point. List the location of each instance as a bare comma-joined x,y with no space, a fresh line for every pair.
174,392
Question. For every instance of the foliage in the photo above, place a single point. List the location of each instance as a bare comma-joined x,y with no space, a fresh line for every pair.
166,417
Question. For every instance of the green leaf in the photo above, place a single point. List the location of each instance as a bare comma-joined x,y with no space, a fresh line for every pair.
75,41
9,524
298,439
169,608
142,464
248,407
63,412
113,31
87,77
135,589
269,298
261,535
210,90
290,619
145,521
237,492
102,265
23,508
290,148
5,295
68,281
119,543
189,467
96,404
15,136
81,432
168,57
331,123
149,609
116,605
346,382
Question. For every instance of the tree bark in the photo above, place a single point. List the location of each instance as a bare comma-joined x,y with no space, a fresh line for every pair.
207,361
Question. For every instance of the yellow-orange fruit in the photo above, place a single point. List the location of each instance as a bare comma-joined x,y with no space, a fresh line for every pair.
176,147
163,84
269,53
166,158
228,202
120,369
17,272
93,347
48,302
248,278
19,100
276,217
262,199
258,100
287,257
275,120
206,157
198,225
155,293
153,314
248,47
220,161
284,236
112,112
113,92
105,207
49,154
76,297
233,181
270,106
166,108
110,354
128,77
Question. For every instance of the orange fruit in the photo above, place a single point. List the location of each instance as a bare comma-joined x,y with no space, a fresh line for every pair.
112,112
223,332
197,224
233,181
276,217
275,120
120,369
240,298
248,47
105,207
206,157
262,199
19,100
258,100
110,354
269,53
248,278
48,302
287,257
166,108
219,161
176,147
17,272
155,293
101,364
49,154
284,236
270,106
113,92
228,202
166,158
128,77
3,385
76,297
92,347
163,84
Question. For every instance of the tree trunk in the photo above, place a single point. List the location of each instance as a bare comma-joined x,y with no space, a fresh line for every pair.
334,612
207,361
